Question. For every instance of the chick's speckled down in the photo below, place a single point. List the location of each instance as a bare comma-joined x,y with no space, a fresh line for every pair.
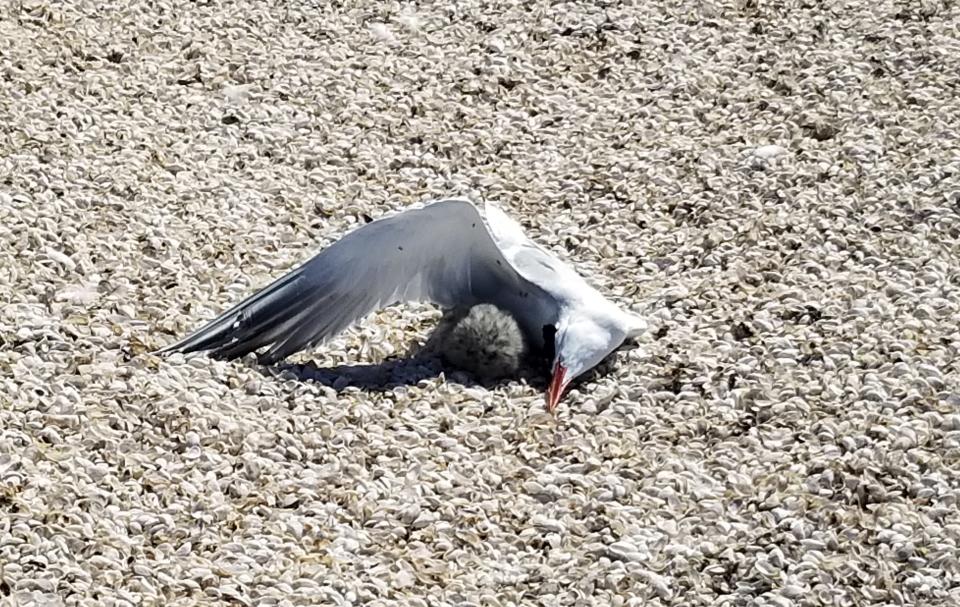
482,340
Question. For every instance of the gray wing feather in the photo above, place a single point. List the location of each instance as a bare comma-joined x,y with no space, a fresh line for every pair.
441,252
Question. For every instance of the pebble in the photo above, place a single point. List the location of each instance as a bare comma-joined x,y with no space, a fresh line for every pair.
769,151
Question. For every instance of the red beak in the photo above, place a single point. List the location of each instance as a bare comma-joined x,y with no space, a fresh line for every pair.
556,387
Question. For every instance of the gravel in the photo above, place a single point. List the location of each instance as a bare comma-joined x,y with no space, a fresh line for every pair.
775,188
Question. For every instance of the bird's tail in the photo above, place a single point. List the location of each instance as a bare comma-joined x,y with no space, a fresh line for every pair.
636,326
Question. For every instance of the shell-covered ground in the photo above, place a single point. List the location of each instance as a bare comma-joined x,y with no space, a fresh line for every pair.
775,185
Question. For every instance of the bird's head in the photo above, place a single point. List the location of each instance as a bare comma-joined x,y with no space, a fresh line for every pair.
581,343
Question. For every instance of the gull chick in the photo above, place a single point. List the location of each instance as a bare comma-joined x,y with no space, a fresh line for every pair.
484,340
448,252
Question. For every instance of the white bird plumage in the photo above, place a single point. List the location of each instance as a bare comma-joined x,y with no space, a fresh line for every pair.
446,252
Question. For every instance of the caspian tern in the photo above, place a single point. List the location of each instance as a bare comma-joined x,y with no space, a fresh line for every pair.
447,252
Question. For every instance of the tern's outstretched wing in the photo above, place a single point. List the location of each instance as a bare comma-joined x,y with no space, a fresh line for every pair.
556,278
441,252
534,264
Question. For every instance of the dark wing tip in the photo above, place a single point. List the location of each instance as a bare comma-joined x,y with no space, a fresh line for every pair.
247,326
